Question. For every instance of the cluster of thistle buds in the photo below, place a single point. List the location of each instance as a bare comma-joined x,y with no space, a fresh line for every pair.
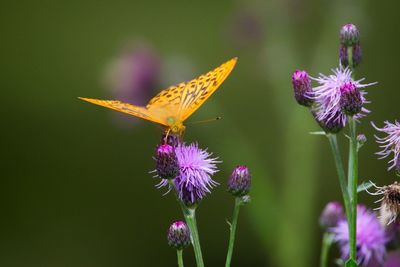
338,95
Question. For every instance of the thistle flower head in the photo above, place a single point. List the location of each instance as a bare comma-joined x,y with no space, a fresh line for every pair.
330,126
349,35
302,88
350,100
371,237
336,90
390,143
166,162
390,202
196,168
331,215
240,181
178,235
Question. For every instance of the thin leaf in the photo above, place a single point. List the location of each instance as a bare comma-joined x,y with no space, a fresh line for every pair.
351,263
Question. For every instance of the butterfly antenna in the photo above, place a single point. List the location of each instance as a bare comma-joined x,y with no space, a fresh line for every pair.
205,121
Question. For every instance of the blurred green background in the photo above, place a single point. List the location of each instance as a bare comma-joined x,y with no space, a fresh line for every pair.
75,188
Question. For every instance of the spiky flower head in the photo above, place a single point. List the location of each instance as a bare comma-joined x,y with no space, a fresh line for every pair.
390,143
166,162
370,237
178,235
356,55
351,101
331,215
329,96
196,168
302,88
390,202
239,182
349,35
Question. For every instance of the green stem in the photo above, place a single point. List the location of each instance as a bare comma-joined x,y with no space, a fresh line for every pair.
190,217
238,203
327,241
353,183
350,57
340,172
179,254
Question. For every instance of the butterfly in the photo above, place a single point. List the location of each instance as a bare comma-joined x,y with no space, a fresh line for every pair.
172,106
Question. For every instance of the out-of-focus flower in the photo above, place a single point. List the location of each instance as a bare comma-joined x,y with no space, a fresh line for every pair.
371,237
239,182
196,168
390,143
392,260
302,88
178,235
246,29
331,215
329,96
167,166
390,202
349,35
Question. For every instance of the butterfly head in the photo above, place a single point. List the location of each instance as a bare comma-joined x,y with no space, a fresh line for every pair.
175,126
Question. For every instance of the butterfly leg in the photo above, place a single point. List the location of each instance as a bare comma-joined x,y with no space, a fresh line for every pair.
166,136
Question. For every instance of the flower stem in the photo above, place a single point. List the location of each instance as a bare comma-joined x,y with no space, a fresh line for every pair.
353,183
327,241
340,172
238,203
190,217
179,253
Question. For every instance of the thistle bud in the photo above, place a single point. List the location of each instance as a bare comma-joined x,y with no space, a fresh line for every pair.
302,88
349,35
178,235
167,166
240,181
361,139
350,100
331,215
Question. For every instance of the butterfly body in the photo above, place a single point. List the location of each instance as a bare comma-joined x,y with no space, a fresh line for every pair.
172,106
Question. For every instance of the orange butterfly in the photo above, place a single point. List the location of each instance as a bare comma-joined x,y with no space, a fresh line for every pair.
172,106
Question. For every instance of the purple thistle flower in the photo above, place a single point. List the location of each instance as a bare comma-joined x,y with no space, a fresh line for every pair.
178,235
328,96
331,215
371,237
240,181
302,88
196,168
350,101
390,144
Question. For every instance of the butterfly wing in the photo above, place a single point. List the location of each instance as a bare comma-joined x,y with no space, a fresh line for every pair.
137,111
180,101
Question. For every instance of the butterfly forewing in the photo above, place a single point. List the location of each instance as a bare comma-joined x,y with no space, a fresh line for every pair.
137,111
